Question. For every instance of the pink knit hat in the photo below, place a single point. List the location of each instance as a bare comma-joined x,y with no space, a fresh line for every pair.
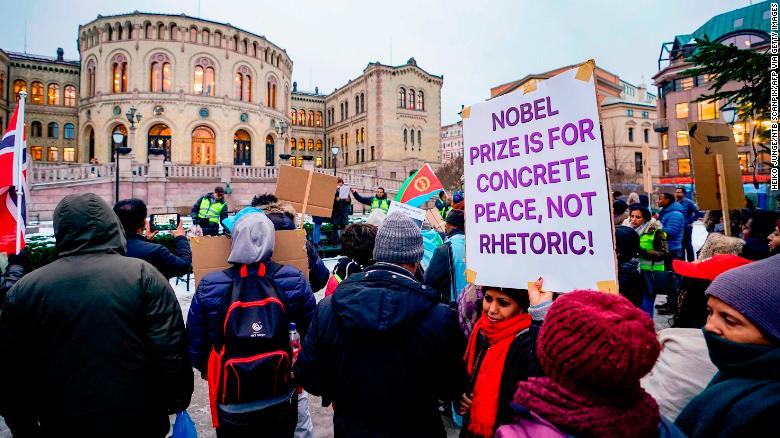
594,340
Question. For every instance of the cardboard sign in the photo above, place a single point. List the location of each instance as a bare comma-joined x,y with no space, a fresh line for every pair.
434,219
210,253
417,215
707,140
538,198
308,191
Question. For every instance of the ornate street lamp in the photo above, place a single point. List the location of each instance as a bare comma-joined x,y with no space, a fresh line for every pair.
335,151
729,114
133,116
118,138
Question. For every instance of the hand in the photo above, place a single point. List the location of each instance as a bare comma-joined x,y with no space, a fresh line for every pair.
148,232
353,190
464,404
536,294
179,231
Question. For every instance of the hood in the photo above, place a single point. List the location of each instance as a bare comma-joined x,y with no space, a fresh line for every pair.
253,239
85,224
382,298
675,206
282,214
626,243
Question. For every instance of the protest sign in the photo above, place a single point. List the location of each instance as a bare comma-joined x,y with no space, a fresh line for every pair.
210,253
434,219
308,191
707,141
417,215
537,199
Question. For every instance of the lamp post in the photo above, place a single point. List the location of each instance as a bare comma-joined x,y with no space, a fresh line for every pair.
335,151
281,128
118,138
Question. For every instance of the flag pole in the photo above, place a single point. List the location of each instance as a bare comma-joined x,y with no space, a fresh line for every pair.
18,162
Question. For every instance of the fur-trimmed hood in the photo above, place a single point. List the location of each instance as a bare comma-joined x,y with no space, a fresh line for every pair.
281,213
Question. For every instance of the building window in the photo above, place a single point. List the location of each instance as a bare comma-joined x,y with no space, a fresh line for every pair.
683,84
638,162
239,86
420,101
53,130
19,86
242,148
412,136
160,76
302,117
310,121
405,134
681,110
318,119
36,129
346,109
319,145
372,153
631,135
708,110
36,93
70,95
419,139
91,78
362,103
630,113
204,78
664,141
53,154
744,160
294,116
665,167
37,153
69,154
647,135
362,135
357,104
740,134
69,131
310,144
645,115
682,138
683,166
271,93
119,74
412,99
53,95
2,87
402,98
292,144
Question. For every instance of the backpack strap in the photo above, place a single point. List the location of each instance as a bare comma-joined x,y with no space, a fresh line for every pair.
451,266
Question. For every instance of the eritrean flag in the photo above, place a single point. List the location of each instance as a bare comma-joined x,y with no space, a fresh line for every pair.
419,187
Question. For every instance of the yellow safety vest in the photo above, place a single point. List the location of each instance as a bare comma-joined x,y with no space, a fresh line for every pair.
209,210
384,204
646,243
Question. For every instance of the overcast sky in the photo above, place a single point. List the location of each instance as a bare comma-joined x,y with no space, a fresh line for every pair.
474,44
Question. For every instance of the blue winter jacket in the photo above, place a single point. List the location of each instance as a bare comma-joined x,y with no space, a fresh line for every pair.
673,223
204,323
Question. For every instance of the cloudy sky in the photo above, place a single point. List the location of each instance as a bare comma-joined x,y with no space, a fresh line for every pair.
474,44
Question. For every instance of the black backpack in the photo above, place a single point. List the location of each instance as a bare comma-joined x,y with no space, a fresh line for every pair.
256,357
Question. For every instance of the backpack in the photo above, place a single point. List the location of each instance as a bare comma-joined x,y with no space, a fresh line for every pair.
254,361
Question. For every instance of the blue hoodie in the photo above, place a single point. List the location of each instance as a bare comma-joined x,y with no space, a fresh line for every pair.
673,222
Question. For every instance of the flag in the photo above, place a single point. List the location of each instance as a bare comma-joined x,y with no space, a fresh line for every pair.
419,187
13,214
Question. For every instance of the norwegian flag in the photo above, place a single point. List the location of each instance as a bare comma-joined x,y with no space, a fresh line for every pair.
13,183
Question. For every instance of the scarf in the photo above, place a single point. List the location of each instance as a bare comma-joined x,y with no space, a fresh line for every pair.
643,228
484,404
745,389
591,415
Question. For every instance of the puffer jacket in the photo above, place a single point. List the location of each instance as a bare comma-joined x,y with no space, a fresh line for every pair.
673,222
168,263
97,338
253,242
283,217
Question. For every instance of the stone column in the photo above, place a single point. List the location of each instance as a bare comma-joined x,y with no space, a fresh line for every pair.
308,162
156,167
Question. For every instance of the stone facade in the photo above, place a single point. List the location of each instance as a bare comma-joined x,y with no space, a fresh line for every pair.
451,142
307,132
51,112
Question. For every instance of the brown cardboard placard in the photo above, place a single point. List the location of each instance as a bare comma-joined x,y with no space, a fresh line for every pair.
434,219
607,286
306,188
707,140
210,253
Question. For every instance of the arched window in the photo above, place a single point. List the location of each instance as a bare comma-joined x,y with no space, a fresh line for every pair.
362,103
19,86
53,130
246,47
119,32
301,144
242,148
160,74
218,38
311,144
310,121
270,100
419,139
69,131
294,116
53,95
234,43
420,101
2,87
412,132
357,104
254,49
405,134
119,73
411,99
148,31
319,145
292,144
129,30
318,119
203,146
174,32
91,77
362,135
159,138
402,98
193,34
302,117
239,86
205,37
36,93
36,129
270,147
203,82
243,84
109,33
160,31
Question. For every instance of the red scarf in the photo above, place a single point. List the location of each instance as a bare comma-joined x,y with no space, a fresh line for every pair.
484,404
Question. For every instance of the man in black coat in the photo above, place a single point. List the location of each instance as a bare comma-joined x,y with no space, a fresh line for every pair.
93,344
132,215
382,349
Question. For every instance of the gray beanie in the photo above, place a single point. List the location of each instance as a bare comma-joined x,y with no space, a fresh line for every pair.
752,290
398,240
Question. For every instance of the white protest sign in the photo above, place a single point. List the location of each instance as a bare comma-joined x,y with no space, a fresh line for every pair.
537,199
417,215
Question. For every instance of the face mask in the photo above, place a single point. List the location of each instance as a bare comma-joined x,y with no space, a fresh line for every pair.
734,358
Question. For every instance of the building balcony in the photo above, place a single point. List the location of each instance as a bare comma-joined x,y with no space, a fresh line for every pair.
661,125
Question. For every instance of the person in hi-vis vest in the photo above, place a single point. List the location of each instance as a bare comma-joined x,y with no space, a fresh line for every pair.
209,211
378,201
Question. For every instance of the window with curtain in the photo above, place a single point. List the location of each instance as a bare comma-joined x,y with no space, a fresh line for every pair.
203,82
709,110
53,130
36,93
69,131
53,95
53,154
294,116
318,119
70,95
310,121
319,145
19,86
310,144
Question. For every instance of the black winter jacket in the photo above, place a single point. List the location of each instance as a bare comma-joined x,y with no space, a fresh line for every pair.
384,352
97,339
169,264
437,275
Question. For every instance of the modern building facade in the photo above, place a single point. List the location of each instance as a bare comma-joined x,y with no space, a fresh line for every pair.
452,142
627,115
748,29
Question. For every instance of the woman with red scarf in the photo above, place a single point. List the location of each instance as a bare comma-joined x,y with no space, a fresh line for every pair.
500,353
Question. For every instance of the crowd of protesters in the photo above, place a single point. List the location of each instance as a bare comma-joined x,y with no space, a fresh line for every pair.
95,343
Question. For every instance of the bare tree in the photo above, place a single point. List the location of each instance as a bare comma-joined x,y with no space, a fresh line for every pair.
451,174
619,165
